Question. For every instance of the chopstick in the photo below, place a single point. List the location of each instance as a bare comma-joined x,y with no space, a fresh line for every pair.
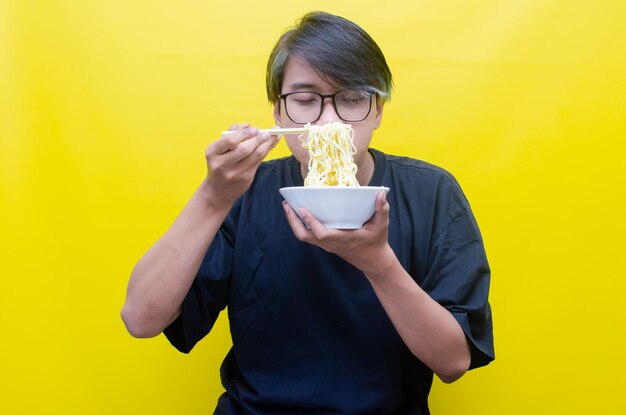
277,131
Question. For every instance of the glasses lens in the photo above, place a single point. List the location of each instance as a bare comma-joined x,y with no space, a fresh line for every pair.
303,107
353,105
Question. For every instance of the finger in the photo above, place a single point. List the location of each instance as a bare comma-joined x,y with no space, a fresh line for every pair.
381,201
243,161
251,156
256,144
317,228
298,228
381,209
235,127
230,141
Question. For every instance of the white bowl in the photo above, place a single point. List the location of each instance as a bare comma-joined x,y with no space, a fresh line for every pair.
338,207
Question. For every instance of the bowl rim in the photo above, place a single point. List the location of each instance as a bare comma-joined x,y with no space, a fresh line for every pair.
356,188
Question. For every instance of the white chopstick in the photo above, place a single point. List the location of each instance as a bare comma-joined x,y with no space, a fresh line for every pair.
277,131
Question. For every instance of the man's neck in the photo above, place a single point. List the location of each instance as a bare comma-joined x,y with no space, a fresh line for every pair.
365,169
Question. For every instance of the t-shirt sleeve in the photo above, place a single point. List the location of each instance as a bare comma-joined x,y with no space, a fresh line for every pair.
207,296
458,278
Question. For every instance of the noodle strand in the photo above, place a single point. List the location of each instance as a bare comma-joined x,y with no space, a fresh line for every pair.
331,150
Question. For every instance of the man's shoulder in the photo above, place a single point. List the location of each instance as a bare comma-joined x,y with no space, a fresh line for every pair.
412,169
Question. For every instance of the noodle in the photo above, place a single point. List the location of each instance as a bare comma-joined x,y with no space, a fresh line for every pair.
331,148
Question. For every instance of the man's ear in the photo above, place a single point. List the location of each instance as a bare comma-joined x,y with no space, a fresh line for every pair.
380,106
277,113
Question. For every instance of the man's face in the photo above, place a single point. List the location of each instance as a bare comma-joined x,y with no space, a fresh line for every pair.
299,76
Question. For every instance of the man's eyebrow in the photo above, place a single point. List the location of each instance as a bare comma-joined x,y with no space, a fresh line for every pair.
303,85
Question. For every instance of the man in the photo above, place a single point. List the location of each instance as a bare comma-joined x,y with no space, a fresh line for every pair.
322,320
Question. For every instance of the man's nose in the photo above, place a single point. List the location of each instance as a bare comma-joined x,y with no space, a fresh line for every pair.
328,114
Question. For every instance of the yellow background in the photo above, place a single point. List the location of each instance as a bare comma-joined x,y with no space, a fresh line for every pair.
106,108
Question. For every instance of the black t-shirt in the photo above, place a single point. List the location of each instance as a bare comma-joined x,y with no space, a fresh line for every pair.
309,334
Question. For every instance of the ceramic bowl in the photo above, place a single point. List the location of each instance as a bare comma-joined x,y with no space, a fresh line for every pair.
337,207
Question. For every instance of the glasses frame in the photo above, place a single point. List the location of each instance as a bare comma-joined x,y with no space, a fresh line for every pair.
323,97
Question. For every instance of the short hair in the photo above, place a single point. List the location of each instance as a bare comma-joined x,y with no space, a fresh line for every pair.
337,49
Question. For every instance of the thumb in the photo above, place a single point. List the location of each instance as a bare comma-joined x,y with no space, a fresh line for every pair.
381,207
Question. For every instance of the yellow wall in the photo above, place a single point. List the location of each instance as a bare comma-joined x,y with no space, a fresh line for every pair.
106,108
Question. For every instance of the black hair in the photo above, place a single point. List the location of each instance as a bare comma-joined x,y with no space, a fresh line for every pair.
337,49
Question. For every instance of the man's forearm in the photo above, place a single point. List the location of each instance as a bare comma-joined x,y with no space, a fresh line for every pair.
431,333
163,276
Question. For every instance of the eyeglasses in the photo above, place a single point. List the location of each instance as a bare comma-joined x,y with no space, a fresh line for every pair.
304,107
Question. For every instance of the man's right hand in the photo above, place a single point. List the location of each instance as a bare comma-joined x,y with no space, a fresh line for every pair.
233,160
